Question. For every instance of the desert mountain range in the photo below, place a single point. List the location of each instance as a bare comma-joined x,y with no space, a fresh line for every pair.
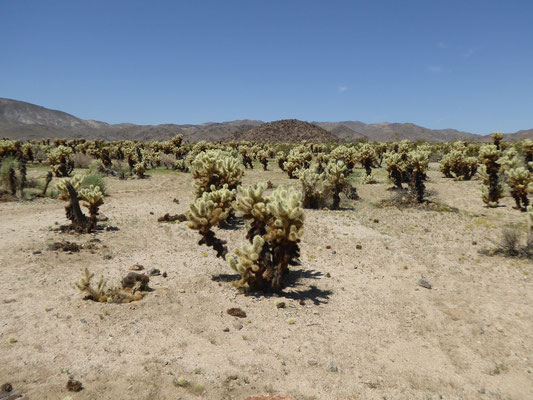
24,121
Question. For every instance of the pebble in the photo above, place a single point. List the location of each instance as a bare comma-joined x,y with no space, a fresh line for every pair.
154,272
36,252
424,283
312,363
238,326
83,321
333,367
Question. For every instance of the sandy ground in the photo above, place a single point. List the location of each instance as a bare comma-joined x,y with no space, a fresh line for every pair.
362,326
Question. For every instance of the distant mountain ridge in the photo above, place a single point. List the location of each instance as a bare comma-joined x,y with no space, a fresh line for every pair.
25,121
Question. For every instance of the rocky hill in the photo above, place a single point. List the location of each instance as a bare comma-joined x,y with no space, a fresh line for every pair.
286,130
24,121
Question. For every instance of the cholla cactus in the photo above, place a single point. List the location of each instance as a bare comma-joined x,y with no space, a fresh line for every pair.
337,175
279,226
10,148
208,211
215,168
95,294
367,157
492,189
61,186
396,167
93,198
250,265
251,203
520,182
281,159
262,156
299,158
497,138
139,169
316,189
457,164
346,154
416,167
60,161
527,150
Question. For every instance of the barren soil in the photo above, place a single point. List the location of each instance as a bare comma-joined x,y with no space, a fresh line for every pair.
356,323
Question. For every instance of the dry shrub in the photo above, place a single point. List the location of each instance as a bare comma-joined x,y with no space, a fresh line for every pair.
82,160
168,161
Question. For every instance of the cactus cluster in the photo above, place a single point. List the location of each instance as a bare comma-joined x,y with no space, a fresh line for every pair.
215,168
276,226
458,164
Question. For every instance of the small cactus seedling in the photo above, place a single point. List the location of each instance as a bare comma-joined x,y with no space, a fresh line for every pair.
112,295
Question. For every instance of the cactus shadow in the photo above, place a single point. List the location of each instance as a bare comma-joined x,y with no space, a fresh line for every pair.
232,224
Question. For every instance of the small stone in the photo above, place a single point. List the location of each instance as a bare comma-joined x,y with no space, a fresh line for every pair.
83,321
333,252
36,252
73,385
151,213
280,304
136,267
424,283
6,387
164,275
102,218
238,326
376,221
328,275
312,363
108,257
333,367
236,312
154,272
474,243
358,246
328,247
226,330
302,303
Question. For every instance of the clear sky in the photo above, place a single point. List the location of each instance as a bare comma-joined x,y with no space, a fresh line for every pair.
463,64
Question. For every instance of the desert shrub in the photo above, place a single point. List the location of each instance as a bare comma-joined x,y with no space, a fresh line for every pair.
492,185
168,161
94,180
81,160
9,175
348,155
215,168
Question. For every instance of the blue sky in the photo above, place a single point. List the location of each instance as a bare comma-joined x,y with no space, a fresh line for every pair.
464,64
